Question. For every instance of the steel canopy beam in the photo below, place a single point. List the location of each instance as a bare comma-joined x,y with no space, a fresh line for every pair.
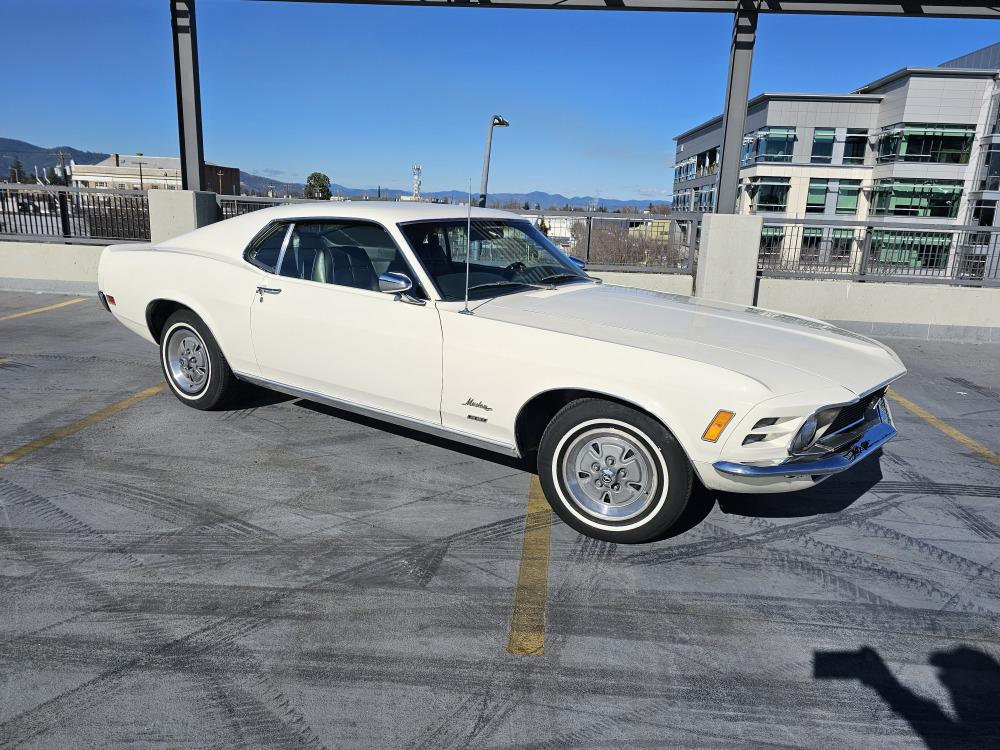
182,22
903,8
735,113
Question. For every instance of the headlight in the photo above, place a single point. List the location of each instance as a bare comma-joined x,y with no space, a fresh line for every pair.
806,434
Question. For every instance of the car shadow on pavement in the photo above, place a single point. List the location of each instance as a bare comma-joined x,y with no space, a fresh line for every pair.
971,677
423,437
837,493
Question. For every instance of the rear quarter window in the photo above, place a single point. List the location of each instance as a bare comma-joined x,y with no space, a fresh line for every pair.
265,250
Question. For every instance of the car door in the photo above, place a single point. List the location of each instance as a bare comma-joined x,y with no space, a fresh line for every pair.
320,324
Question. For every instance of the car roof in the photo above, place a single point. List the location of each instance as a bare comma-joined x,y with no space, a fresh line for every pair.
381,211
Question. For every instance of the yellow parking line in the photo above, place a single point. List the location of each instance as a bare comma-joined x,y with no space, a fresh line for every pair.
4,360
63,432
36,310
527,624
973,445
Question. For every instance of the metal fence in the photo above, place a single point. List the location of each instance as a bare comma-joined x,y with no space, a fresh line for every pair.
237,205
624,242
880,251
76,214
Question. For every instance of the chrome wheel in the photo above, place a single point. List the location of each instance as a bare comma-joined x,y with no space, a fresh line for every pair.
609,473
187,360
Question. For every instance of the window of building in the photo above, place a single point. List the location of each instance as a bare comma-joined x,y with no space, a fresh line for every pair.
920,198
822,152
746,151
855,146
682,201
847,197
932,144
841,244
706,199
990,179
984,212
914,250
816,197
769,194
707,162
812,242
774,144
771,239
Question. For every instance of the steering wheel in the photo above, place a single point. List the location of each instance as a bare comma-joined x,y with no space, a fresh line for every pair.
515,267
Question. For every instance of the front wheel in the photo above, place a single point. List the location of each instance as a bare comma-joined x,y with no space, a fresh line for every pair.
612,472
193,364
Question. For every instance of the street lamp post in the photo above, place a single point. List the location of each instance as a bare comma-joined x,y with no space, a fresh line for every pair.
142,185
495,122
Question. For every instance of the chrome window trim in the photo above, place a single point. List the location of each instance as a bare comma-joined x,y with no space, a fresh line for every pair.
284,247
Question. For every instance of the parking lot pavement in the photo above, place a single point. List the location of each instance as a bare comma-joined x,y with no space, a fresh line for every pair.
283,575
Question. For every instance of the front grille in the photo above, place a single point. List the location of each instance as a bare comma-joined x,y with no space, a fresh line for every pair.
853,413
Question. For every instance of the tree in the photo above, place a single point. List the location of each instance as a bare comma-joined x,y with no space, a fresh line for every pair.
16,171
318,187
538,206
526,206
543,227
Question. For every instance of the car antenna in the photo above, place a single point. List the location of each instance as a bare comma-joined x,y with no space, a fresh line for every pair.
468,251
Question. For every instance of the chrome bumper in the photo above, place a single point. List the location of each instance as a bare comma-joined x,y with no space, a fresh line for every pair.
871,440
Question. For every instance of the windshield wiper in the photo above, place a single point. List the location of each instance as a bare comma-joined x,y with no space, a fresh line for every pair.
509,283
556,277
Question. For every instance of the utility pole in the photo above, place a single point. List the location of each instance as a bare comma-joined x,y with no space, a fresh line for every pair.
219,173
140,162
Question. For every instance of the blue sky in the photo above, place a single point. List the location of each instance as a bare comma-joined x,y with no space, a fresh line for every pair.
362,92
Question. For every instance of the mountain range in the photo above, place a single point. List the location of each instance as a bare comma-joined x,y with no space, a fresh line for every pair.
31,156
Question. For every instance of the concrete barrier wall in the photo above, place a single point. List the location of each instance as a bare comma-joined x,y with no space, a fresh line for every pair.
49,267
675,283
912,310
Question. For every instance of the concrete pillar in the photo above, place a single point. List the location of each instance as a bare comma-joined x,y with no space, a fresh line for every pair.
727,258
176,212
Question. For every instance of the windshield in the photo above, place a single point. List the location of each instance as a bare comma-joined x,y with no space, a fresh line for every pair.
506,256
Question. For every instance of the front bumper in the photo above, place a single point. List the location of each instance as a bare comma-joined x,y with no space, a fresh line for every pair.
874,435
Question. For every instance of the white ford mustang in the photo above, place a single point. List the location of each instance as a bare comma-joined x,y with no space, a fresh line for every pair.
620,395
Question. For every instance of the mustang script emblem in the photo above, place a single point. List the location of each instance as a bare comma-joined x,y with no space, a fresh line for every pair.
477,404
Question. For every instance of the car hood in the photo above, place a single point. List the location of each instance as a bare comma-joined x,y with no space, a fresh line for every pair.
784,352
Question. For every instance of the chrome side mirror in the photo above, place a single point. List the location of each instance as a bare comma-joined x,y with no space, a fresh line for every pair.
394,283
578,262
399,285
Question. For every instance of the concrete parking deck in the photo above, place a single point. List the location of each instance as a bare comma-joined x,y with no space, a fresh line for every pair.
283,575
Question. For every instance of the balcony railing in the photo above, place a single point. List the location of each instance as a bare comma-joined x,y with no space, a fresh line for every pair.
73,214
881,251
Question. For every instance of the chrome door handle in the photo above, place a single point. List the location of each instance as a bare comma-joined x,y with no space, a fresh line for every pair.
262,290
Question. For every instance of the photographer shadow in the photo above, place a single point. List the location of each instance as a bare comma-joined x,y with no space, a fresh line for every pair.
971,677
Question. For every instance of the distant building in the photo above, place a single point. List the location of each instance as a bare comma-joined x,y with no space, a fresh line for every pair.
920,144
156,172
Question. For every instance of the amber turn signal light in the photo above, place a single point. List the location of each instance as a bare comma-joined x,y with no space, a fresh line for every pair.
718,424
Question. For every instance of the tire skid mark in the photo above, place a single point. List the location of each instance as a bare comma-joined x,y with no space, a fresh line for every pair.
220,634
920,485
957,562
33,722
790,563
976,523
975,388
778,533
856,561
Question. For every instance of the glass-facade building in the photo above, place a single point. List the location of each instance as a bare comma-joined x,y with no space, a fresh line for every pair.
918,148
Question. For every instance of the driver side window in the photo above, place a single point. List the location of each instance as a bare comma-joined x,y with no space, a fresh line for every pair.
344,253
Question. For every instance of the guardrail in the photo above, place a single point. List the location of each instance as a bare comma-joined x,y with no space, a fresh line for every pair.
609,242
237,205
624,242
880,251
82,215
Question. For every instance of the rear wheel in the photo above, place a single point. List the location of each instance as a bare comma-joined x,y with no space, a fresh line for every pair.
613,472
193,364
